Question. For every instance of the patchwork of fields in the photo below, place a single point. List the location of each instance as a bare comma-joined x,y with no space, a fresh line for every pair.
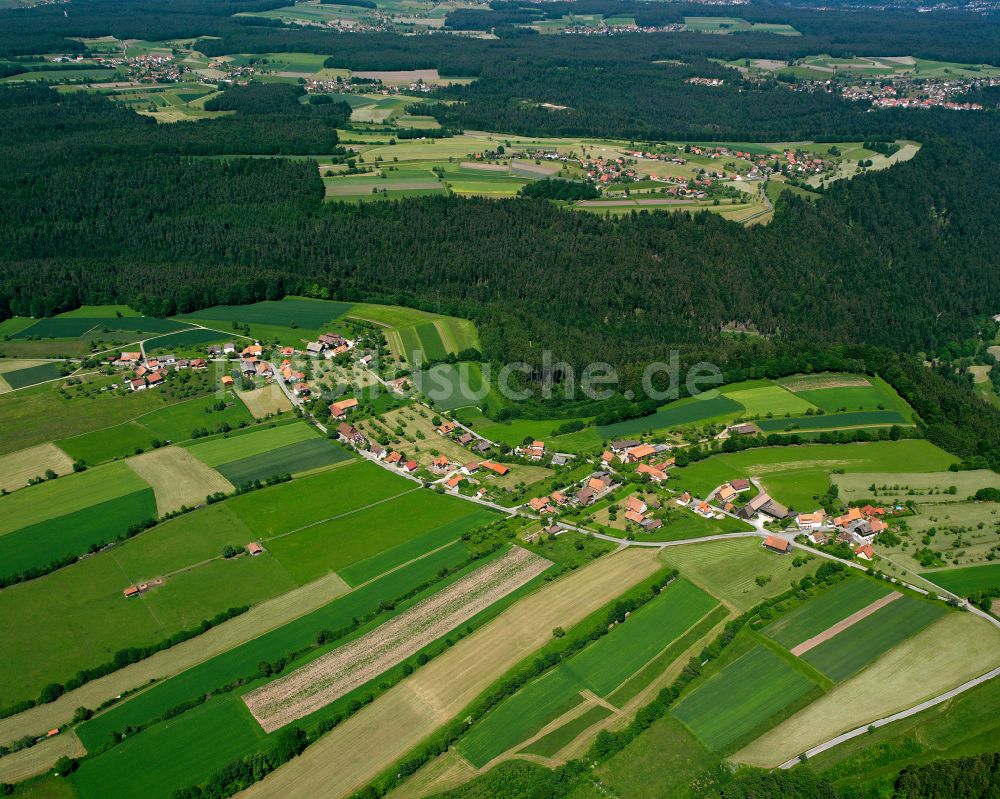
599,669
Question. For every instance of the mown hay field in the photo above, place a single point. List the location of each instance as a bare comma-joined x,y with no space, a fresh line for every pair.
19,467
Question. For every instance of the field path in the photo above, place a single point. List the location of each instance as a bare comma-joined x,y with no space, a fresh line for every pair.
384,731
843,624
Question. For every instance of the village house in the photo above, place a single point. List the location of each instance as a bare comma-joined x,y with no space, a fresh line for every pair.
199,363
314,348
393,457
819,537
635,454
470,468
248,368
776,544
635,505
534,452
865,552
155,378
264,369
618,447
399,385
762,503
683,499
585,496
227,381
607,458
441,464
740,485
497,468
655,474
228,348
559,498
446,428
651,524
410,466
465,439
725,493
561,459
301,390
481,446
351,434
378,451
634,517
811,521
137,384
742,430
540,505
254,548
253,351
338,410
454,481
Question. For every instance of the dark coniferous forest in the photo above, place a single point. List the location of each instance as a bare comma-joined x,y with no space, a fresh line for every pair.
102,205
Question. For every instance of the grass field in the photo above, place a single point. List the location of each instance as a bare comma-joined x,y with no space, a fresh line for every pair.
858,645
74,326
174,423
306,313
560,737
32,375
662,762
954,649
728,569
86,618
600,668
74,533
363,570
184,340
681,412
742,696
243,659
451,386
178,479
19,467
915,486
114,775
291,506
963,726
330,545
263,402
55,498
823,611
297,458
964,582
771,399
833,421
229,449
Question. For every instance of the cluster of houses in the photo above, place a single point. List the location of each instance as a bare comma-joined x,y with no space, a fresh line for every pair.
636,511
706,81
535,451
151,372
652,459
858,527
329,345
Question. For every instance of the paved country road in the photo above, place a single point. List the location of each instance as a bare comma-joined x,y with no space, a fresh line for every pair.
912,711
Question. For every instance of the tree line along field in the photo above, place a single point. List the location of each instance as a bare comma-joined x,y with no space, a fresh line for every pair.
327,510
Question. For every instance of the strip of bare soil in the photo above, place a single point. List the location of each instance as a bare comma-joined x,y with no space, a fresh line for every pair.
327,678
843,624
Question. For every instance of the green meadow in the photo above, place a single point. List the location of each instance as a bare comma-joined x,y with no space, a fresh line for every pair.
229,449
306,313
331,545
860,644
297,458
32,375
675,414
171,423
966,581
823,611
740,697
